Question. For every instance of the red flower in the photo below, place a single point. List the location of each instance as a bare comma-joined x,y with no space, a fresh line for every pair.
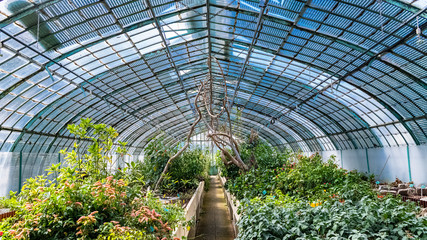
380,196
1,234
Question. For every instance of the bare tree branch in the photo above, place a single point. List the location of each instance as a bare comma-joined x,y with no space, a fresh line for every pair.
187,143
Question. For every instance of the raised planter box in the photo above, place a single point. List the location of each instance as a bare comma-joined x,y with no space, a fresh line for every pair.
5,213
416,199
233,205
192,212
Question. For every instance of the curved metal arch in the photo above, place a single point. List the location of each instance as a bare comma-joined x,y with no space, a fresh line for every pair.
152,76
307,130
296,132
289,22
261,135
359,88
38,115
322,113
340,127
351,45
324,132
384,104
276,139
414,137
324,35
387,106
124,30
324,70
290,127
182,128
170,141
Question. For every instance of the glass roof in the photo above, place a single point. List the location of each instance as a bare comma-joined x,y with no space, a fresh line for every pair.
333,74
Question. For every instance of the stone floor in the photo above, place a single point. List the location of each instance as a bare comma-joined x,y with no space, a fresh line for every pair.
215,222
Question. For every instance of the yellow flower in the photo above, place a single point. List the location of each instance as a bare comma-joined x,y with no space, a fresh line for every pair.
324,190
315,204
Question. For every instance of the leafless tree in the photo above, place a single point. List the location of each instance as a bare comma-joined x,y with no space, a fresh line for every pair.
222,136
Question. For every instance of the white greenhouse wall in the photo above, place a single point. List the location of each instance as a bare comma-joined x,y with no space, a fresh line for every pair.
405,163
34,164
418,157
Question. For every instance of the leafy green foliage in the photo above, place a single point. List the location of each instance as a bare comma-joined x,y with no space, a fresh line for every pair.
313,179
322,201
258,155
9,202
364,219
94,160
266,157
230,172
87,199
254,183
186,171
307,178
156,155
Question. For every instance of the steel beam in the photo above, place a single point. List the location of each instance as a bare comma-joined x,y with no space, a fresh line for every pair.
263,5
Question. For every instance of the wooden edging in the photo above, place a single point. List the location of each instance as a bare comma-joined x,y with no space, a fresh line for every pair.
7,215
192,212
233,205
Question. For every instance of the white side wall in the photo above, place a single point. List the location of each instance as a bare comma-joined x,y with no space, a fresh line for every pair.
386,164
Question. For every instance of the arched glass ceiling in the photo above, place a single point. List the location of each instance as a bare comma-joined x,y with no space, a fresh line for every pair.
335,74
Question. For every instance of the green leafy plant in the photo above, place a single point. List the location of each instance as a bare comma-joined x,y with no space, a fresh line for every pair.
156,154
308,198
254,183
9,202
364,219
186,171
86,200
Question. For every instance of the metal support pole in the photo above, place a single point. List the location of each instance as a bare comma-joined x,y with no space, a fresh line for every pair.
367,160
20,172
409,163
342,164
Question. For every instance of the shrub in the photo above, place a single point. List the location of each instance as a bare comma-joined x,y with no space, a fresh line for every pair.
156,155
186,171
83,203
364,219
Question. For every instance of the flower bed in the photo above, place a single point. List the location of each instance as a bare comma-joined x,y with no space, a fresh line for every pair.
311,199
88,199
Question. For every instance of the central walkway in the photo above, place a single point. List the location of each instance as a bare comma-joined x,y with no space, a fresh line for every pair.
215,223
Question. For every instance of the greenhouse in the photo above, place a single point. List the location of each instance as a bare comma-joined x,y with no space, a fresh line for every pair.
213,119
